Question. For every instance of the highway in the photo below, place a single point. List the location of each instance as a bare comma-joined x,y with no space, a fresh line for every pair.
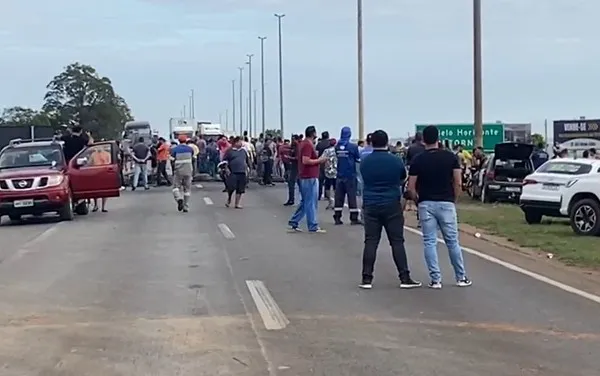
145,290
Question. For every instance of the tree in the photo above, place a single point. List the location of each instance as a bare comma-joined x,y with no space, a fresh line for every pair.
24,116
537,139
79,95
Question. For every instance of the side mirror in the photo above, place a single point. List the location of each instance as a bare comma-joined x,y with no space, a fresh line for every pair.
80,162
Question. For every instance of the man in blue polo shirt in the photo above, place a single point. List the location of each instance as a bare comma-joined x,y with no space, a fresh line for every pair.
383,176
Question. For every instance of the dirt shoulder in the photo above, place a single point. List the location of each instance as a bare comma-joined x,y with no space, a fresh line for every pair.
534,260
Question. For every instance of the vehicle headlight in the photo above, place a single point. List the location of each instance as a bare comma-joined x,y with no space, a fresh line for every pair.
55,180
572,182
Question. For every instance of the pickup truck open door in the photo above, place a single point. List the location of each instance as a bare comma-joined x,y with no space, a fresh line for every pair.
94,172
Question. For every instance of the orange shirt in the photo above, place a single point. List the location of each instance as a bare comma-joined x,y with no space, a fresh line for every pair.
164,152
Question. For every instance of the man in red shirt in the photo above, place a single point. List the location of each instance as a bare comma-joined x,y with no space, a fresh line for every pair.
308,180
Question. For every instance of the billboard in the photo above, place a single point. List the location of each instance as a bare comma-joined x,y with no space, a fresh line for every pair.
463,134
577,134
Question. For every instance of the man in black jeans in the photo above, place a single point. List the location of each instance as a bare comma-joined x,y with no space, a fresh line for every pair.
383,176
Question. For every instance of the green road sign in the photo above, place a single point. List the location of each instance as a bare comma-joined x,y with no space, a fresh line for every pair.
463,134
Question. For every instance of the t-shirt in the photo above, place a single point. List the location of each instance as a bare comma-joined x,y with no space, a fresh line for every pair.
237,160
307,149
413,151
141,152
434,170
383,175
73,144
164,152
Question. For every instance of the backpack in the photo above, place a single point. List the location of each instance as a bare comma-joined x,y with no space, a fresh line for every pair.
267,152
330,163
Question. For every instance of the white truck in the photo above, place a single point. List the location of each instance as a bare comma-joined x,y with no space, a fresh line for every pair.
181,127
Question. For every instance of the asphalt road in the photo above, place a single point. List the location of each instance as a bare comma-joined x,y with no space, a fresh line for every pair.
145,290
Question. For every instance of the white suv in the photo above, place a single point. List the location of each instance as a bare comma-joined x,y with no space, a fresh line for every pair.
581,203
542,193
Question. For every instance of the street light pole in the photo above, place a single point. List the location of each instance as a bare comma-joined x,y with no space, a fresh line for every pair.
262,81
241,100
233,103
249,62
192,106
255,106
279,17
477,74
359,45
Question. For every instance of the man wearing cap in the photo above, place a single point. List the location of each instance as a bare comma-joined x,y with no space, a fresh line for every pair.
183,155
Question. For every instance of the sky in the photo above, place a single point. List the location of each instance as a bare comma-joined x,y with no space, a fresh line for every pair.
540,58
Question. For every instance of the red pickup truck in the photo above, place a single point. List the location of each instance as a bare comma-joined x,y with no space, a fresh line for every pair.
35,178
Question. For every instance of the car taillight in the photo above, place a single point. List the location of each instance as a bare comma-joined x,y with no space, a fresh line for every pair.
529,181
490,175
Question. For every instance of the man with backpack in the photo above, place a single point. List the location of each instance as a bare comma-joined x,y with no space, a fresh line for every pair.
268,159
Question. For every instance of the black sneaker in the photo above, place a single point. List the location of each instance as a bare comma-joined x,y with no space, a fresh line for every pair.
435,285
338,222
366,285
289,203
180,205
410,284
465,282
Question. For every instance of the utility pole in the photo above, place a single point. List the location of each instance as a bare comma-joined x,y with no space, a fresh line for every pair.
262,82
279,17
233,103
184,110
241,101
226,119
477,74
249,62
192,106
359,45
255,133
220,118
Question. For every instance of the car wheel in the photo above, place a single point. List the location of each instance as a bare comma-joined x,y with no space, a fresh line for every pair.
82,208
14,217
66,212
533,217
585,217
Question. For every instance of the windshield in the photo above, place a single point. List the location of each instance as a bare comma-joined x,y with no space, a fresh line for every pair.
566,168
32,157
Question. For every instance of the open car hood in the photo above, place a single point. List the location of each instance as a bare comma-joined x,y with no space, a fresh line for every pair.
27,172
513,150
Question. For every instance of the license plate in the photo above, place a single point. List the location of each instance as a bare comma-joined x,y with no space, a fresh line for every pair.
548,187
513,189
23,203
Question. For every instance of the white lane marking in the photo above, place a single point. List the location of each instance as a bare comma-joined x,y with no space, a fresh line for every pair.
199,186
518,269
226,231
272,316
208,201
26,248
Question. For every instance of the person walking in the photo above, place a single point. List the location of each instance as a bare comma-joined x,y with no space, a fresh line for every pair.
434,183
141,154
268,160
183,172
163,155
383,175
308,178
237,161
345,186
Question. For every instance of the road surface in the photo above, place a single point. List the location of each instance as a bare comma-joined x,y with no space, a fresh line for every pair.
145,290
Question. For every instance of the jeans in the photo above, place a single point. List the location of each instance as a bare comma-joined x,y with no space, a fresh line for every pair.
140,169
443,214
292,181
161,172
268,172
309,190
391,218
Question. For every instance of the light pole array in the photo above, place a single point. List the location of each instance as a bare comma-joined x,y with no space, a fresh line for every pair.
233,103
241,69
249,62
359,45
477,77
279,19
262,82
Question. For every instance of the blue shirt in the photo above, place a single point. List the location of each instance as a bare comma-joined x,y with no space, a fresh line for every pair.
383,176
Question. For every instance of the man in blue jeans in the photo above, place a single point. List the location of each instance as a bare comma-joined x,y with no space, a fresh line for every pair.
434,183
308,181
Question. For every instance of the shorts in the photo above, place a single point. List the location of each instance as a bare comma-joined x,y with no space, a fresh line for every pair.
236,183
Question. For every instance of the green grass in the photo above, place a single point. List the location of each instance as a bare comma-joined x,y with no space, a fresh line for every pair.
553,236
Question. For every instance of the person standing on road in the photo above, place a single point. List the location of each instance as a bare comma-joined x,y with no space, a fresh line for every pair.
141,154
347,158
292,171
322,145
237,161
183,155
163,155
74,142
330,174
434,182
383,175
308,180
